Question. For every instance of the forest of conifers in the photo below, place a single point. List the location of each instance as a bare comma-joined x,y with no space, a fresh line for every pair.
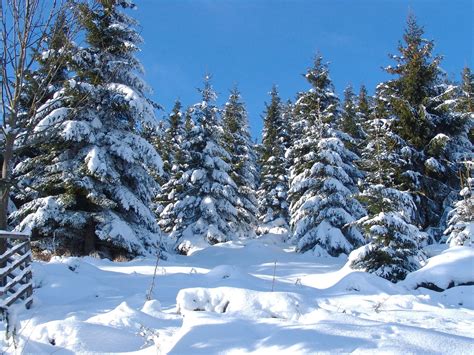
89,167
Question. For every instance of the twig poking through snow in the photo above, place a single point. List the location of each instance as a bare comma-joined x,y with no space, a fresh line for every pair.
150,291
274,271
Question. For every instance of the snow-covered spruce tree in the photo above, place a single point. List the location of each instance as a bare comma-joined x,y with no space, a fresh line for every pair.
43,97
418,98
287,118
175,163
416,72
364,105
451,110
466,102
460,229
96,192
46,87
175,159
206,208
272,193
155,135
364,109
237,141
393,242
322,175
173,139
351,118
188,121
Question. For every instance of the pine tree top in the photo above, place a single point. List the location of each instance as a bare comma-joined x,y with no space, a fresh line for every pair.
416,68
318,75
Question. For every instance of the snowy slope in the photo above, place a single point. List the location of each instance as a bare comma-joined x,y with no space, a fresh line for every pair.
220,300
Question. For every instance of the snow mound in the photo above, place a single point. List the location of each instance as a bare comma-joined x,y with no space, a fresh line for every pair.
78,337
453,267
124,317
65,280
152,308
363,282
241,302
225,272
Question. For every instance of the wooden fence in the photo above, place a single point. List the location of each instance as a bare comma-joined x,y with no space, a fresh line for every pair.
15,269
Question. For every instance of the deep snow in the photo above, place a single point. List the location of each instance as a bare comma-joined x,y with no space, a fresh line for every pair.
220,300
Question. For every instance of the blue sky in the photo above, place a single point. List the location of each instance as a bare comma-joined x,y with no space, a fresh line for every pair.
258,43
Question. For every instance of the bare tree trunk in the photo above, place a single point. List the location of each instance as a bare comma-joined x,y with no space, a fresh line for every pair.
23,32
7,156
5,189
89,238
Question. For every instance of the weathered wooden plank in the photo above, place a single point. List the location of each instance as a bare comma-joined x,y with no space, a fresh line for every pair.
15,270
12,251
9,268
29,300
22,291
14,235
24,277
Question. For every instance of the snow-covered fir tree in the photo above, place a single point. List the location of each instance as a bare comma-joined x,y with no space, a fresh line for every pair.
188,121
175,163
95,192
173,140
322,175
287,133
451,144
206,208
393,242
418,98
364,105
237,141
351,118
393,246
46,87
460,229
273,190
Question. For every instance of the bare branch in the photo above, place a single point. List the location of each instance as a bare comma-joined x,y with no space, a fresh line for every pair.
24,25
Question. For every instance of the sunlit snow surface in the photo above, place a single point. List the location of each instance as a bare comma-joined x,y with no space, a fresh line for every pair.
220,300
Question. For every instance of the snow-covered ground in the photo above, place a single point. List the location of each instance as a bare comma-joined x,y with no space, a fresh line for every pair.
220,300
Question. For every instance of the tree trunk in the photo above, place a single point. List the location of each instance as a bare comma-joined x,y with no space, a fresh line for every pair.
5,192
89,238
5,183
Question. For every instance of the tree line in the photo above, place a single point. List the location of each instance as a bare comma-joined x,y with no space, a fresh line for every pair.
87,166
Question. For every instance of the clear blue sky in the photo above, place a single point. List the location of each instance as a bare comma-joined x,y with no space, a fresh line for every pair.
257,43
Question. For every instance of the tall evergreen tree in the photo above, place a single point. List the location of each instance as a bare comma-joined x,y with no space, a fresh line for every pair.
286,132
46,87
237,142
364,109
393,242
188,121
418,98
460,229
96,192
173,140
322,175
175,164
272,193
467,103
363,104
206,208
350,120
